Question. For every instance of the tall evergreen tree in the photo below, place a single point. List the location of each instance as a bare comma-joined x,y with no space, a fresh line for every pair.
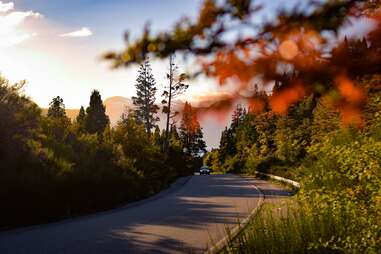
238,115
146,109
227,144
191,133
81,118
175,88
56,108
96,118
81,115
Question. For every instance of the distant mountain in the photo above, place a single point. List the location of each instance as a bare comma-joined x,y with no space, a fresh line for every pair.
71,113
115,106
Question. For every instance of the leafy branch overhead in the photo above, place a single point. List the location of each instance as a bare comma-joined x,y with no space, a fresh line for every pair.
301,41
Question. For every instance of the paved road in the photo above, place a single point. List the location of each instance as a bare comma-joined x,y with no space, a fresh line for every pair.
183,219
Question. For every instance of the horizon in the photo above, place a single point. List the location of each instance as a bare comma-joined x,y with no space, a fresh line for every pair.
211,126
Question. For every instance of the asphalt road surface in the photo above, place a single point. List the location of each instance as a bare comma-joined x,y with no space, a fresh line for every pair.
187,218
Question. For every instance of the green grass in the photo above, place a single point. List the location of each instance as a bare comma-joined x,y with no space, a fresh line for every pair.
288,228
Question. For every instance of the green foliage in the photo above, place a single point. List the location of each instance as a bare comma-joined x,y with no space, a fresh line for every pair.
338,208
339,204
96,119
293,132
344,175
81,119
292,228
212,161
53,169
19,124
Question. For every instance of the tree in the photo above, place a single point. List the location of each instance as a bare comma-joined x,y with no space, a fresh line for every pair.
81,115
81,118
146,109
56,108
157,138
175,88
227,144
96,119
20,120
191,133
56,124
238,115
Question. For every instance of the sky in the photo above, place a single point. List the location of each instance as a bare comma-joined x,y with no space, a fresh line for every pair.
56,45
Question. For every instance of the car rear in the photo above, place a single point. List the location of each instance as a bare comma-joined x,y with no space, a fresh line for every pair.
204,170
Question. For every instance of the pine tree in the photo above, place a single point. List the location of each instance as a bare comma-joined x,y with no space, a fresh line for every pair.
175,88
227,144
81,118
96,119
237,116
191,133
57,108
146,109
174,133
81,115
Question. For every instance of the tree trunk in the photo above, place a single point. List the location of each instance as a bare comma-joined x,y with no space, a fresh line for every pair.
166,143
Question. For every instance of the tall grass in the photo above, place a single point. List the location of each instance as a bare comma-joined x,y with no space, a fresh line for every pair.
290,229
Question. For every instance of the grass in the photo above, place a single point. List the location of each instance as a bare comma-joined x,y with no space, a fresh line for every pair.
287,228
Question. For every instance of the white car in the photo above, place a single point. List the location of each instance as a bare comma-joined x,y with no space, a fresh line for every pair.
204,170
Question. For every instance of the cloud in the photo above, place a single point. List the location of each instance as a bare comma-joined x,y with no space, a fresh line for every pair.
206,99
5,7
11,32
83,32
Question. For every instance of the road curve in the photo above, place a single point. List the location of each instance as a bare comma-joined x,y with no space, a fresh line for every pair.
182,220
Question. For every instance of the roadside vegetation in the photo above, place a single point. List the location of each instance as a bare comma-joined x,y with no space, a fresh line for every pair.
54,168
338,208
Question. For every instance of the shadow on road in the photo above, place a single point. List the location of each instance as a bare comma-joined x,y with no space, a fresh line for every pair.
180,221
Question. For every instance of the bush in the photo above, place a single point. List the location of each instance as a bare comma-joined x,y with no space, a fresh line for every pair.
234,164
344,176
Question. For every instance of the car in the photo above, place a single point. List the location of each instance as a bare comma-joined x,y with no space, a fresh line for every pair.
204,170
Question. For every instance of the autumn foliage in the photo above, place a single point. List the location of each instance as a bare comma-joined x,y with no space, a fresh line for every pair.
305,41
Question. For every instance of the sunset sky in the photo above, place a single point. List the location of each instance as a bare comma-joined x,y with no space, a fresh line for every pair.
56,45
